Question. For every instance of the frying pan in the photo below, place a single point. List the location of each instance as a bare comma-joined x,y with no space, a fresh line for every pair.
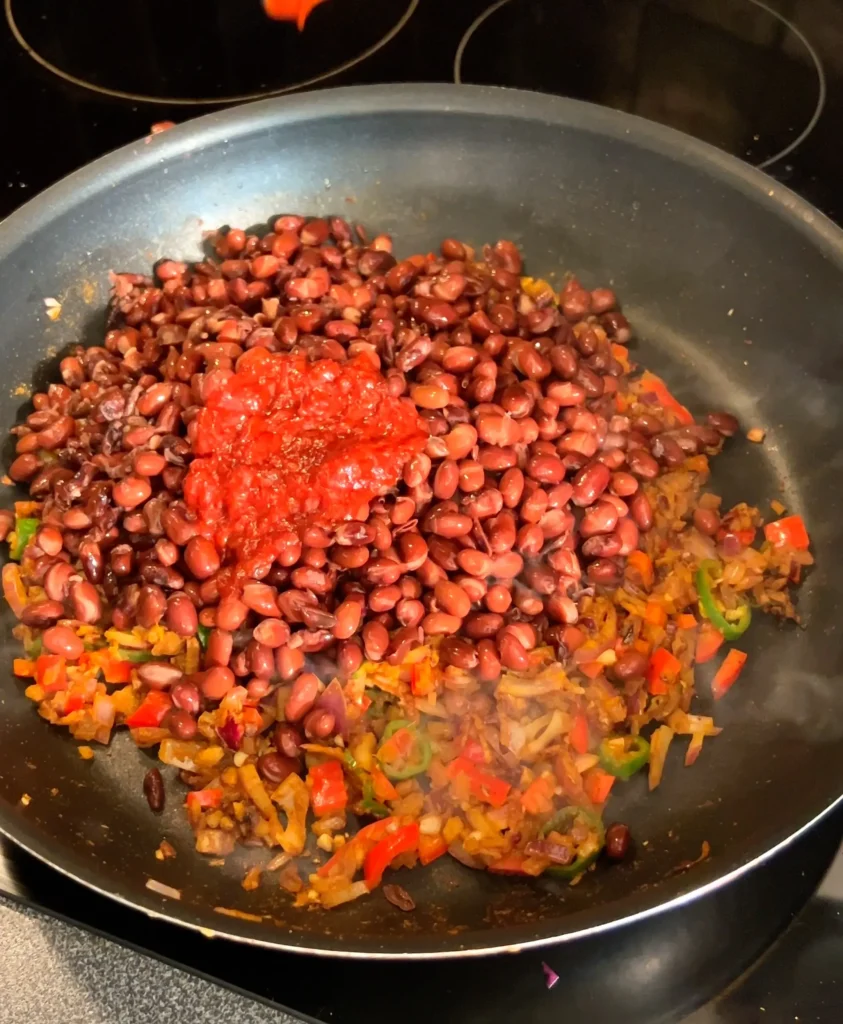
735,288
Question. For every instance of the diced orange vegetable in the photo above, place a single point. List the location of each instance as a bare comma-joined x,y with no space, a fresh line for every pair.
290,10
641,645
662,670
24,668
591,669
251,717
709,642
431,847
789,532
698,464
51,673
85,753
579,735
728,672
651,384
598,784
384,790
421,678
655,613
537,798
686,621
643,565
621,353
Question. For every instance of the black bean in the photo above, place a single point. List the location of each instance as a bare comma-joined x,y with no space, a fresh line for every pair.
276,767
399,897
723,422
153,789
617,841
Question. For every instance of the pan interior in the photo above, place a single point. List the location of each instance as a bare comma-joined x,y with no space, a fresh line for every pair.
736,299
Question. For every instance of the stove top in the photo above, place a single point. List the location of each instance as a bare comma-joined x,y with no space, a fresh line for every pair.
761,80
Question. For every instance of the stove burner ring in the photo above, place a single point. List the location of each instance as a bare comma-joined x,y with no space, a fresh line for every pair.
212,100
800,35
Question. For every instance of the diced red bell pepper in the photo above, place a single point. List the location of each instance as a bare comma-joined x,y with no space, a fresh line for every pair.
598,784
488,788
75,699
656,386
431,848
51,672
709,643
789,531
351,855
378,859
728,672
537,798
204,799
151,712
662,670
383,788
579,736
328,793
113,669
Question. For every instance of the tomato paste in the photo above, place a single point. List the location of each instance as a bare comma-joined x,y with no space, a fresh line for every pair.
283,443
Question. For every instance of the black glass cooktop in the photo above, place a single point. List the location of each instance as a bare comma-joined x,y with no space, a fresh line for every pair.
761,80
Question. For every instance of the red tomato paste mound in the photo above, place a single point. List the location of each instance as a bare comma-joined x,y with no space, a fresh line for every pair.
285,443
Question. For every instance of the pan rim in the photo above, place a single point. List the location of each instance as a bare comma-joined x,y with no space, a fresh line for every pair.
413,99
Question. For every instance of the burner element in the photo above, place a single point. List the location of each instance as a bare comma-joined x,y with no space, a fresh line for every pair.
219,51
737,75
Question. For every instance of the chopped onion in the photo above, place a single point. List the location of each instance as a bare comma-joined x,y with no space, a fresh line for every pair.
163,890
104,710
333,898
555,728
430,825
659,743
551,976
213,842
